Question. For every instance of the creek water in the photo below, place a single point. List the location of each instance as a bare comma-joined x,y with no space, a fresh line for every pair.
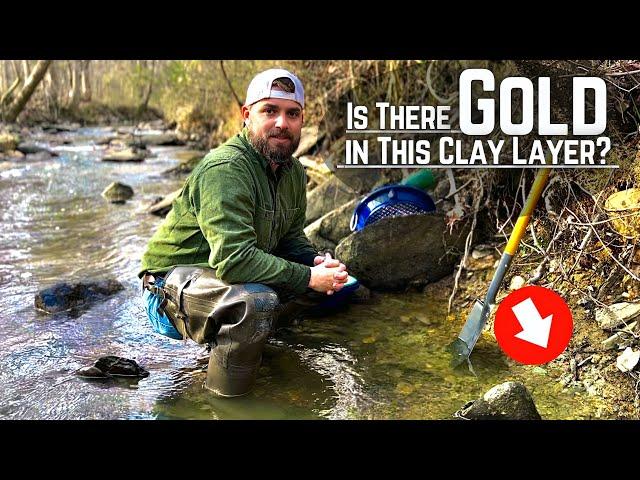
383,359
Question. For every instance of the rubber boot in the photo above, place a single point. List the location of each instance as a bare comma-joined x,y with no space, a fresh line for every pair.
247,313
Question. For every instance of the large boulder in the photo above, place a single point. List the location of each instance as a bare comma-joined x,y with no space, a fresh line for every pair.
507,401
117,192
327,231
65,296
327,197
396,251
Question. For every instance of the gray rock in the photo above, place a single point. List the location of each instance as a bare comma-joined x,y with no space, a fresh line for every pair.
31,148
507,401
327,231
126,155
117,192
60,127
65,296
153,125
42,156
188,161
162,205
395,251
169,138
628,359
309,137
627,334
617,314
113,366
327,197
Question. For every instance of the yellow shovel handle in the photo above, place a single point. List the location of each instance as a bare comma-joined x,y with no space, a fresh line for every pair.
523,220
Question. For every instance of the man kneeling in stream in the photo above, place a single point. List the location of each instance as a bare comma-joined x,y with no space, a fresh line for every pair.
231,261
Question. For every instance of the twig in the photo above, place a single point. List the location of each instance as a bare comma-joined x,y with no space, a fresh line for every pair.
449,195
620,74
467,244
224,74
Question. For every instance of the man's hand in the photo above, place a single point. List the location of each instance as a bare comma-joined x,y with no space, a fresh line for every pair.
328,275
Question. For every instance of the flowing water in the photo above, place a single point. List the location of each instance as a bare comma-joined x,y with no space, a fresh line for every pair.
383,359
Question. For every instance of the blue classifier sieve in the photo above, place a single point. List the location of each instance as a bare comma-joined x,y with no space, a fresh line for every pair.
390,201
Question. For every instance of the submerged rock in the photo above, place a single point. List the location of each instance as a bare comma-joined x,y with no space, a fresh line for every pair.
117,192
507,401
395,251
65,296
113,366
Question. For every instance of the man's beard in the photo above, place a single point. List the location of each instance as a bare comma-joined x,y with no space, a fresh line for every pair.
278,154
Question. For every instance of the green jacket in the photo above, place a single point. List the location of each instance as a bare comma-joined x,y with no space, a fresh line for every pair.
238,217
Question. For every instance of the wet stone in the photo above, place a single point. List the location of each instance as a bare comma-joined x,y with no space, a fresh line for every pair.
507,401
113,366
65,296
117,192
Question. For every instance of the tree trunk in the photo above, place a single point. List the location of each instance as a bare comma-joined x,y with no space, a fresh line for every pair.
224,74
30,86
86,82
75,90
14,66
147,95
52,89
6,97
25,70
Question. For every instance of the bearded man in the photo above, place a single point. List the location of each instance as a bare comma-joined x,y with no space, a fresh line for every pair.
231,260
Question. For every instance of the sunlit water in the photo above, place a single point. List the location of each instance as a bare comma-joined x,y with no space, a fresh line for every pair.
385,359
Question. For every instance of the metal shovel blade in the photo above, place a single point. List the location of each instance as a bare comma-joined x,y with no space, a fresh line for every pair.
462,346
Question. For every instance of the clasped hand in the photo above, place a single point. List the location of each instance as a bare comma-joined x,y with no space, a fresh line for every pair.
328,275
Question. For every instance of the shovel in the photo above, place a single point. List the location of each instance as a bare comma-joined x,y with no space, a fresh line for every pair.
462,347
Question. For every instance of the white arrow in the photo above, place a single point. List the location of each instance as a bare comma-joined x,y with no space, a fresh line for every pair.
535,329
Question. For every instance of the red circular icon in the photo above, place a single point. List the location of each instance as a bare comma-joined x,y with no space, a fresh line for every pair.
533,325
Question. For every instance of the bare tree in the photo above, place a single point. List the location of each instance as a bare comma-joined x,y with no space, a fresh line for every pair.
25,69
147,95
75,91
52,89
85,81
37,74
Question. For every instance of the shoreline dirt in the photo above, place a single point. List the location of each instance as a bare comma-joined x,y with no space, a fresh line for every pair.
585,366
